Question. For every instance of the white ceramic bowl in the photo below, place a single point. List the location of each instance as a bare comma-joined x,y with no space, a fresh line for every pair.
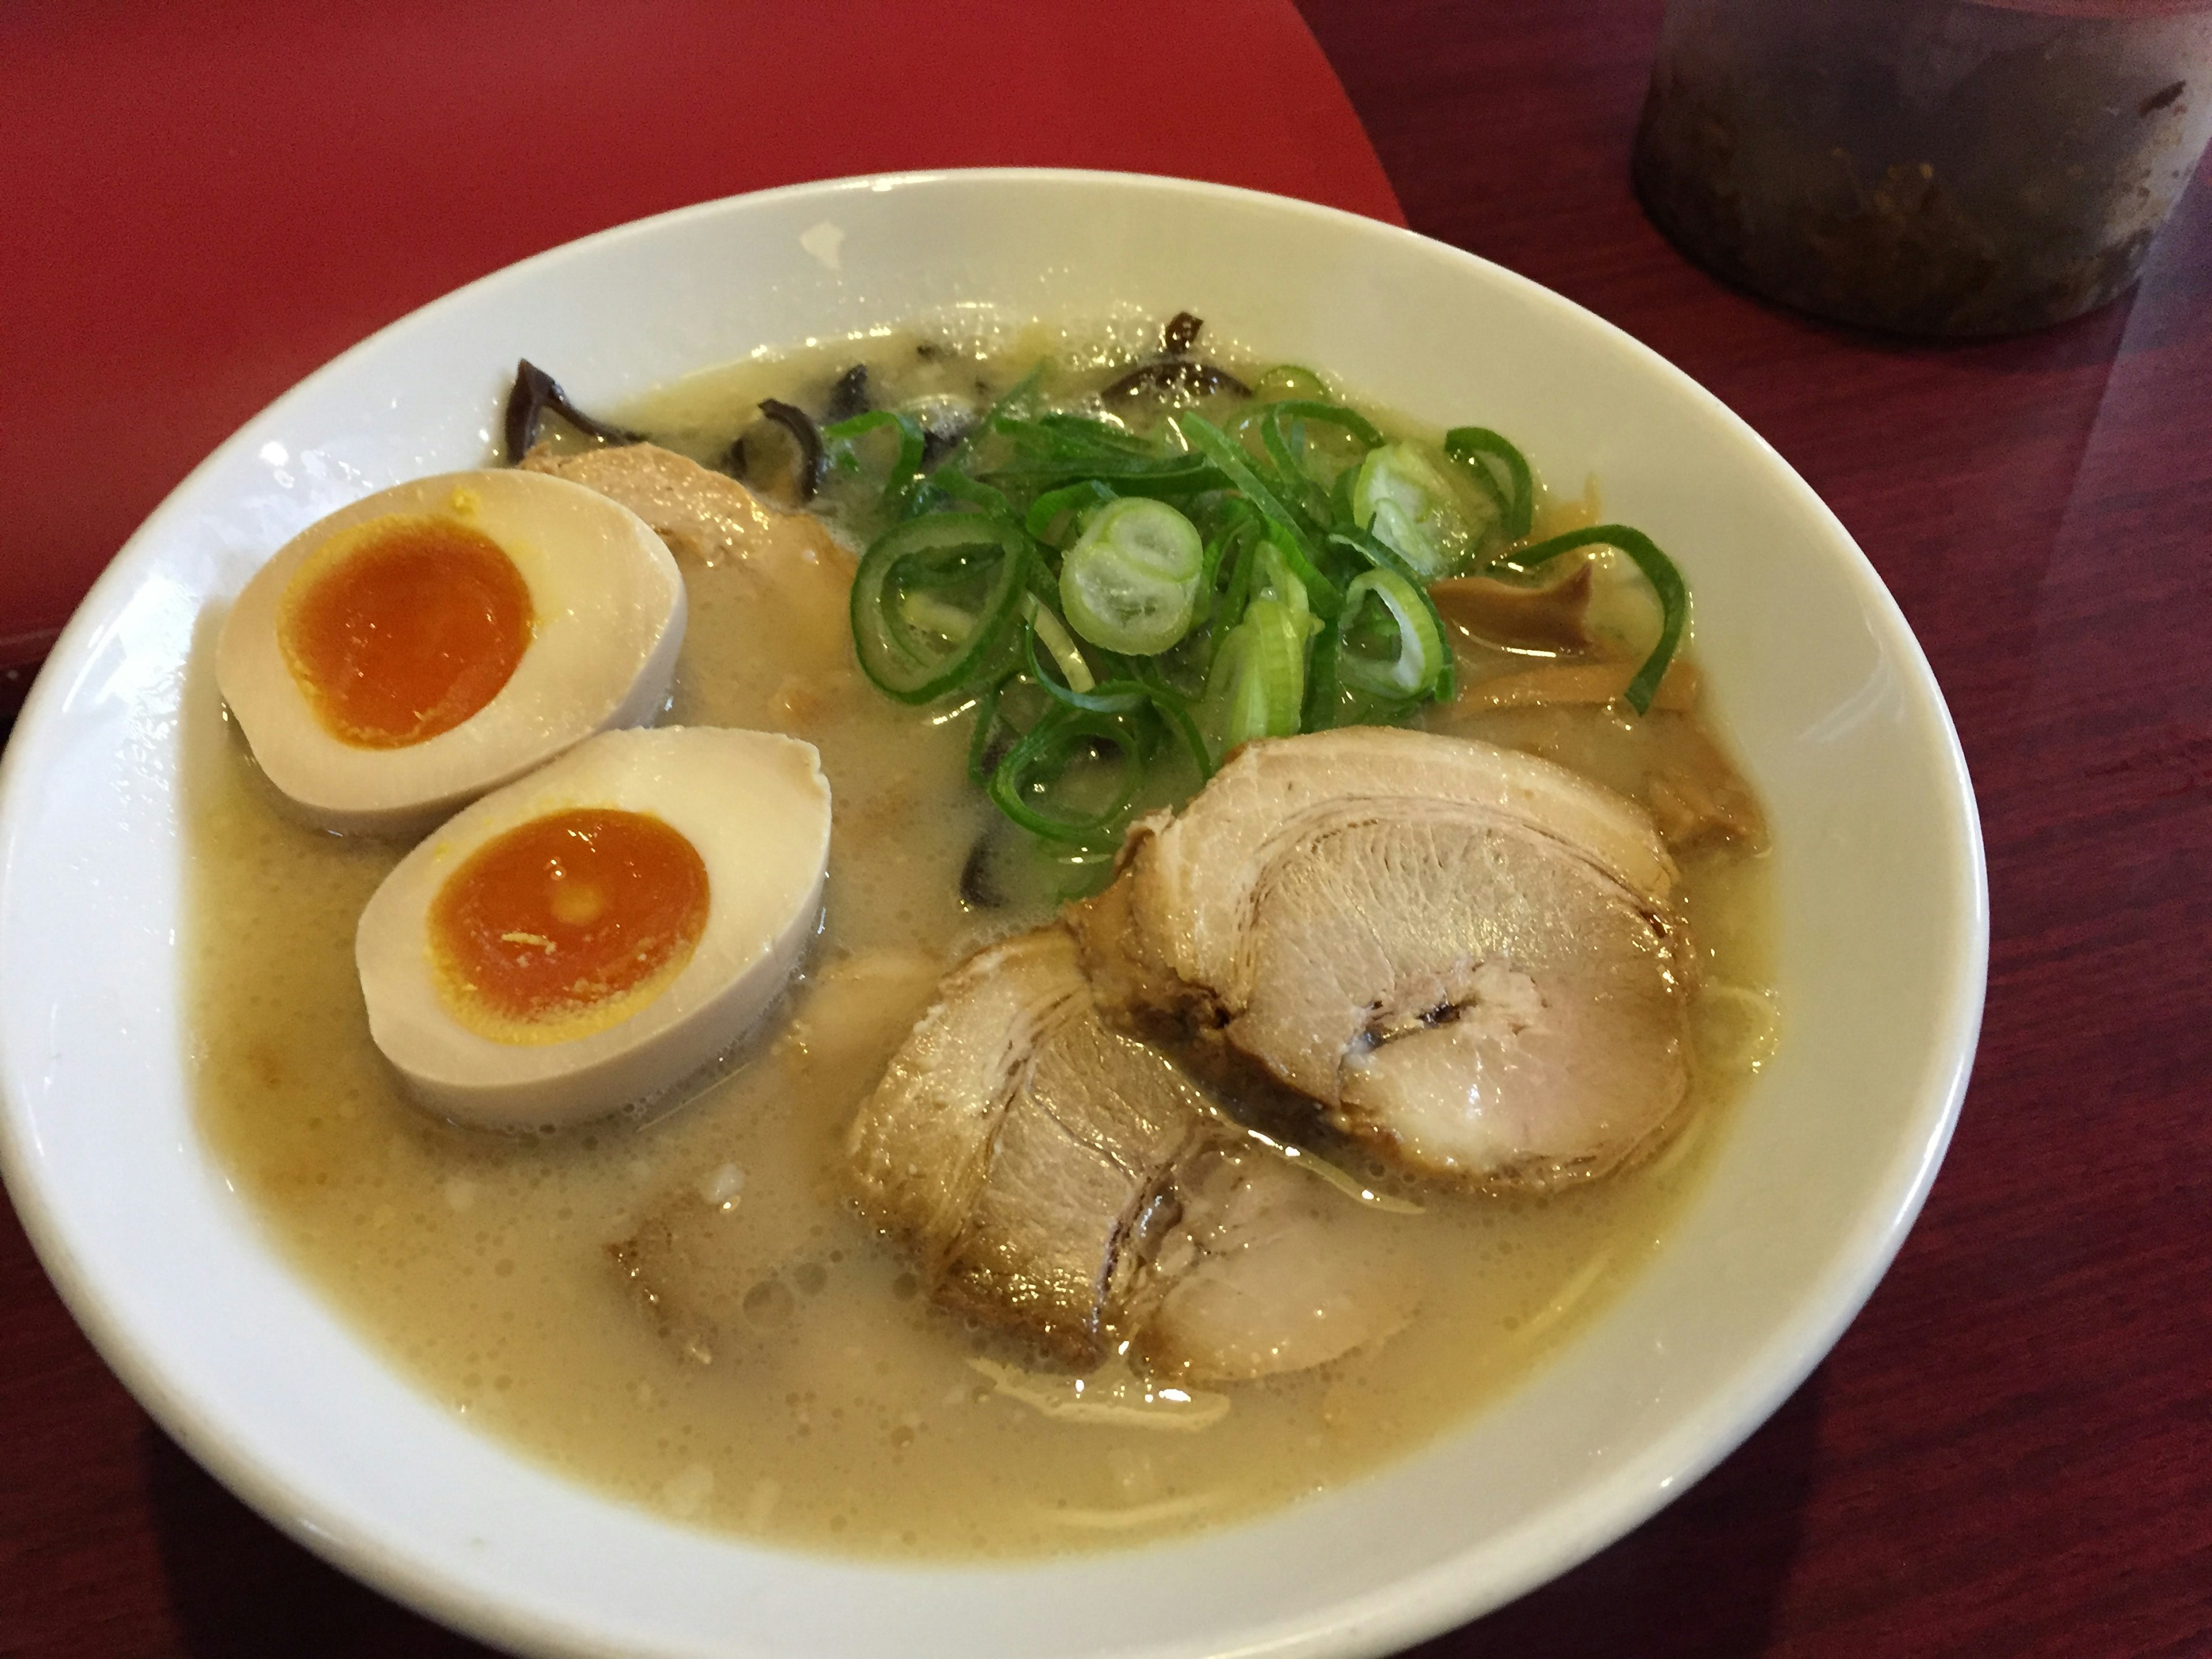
1883,937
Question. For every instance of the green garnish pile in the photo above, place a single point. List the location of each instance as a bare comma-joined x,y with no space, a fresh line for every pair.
1125,608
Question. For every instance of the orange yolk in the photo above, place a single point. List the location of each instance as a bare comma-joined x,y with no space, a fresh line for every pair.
404,627
568,924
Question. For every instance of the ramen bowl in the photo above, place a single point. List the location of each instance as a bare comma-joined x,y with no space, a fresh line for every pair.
1880,947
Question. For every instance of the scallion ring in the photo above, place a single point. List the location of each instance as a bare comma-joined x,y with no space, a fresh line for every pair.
1407,504
1287,380
1657,569
1046,629
1236,466
1358,542
1502,472
1173,707
905,464
979,552
1130,583
1316,412
1038,762
1257,688
1421,651
1046,511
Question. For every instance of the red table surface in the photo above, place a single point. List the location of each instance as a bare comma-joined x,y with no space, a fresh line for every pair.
2010,1452
207,201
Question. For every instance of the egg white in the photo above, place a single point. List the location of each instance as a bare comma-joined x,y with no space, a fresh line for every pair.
756,807
609,614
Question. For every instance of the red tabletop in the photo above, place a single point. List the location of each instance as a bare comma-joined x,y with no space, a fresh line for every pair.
206,201
2010,1452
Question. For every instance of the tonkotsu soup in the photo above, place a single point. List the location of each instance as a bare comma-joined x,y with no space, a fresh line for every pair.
684,1307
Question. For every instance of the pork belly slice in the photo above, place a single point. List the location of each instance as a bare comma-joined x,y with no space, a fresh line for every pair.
713,1259
1014,1142
701,515
1467,956
1066,1182
1264,1270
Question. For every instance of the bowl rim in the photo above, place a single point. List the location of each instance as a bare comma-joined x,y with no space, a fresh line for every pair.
1381,1618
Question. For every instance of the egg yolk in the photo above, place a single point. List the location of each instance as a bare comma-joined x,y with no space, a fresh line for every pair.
401,628
566,925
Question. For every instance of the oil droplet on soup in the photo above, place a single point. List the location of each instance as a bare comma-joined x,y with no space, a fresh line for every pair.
837,1408
401,628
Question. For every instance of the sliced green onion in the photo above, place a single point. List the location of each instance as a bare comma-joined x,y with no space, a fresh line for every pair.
1230,457
1381,558
1109,697
1055,449
1283,571
1657,568
1052,634
1092,429
1275,575
1324,698
1139,682
1421,651
1017,395
924,609
1049,508
961,488
906,466
1284,429
1286,449
1322,413
978,551
925,492
1130,583
1257,688
1209,578
1405,504
1226,453
1502,472
1174,708
1025,777
1238,545
1167,477
1289,381
1340,500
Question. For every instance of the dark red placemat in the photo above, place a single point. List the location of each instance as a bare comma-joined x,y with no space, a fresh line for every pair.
206,200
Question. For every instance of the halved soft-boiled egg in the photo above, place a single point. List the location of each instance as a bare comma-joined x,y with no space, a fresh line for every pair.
434,640
580,940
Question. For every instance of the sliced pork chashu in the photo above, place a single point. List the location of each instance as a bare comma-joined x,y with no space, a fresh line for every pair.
1065,1182
752,573
1467,957
1015,1141
711,1258
1256,1269
701,515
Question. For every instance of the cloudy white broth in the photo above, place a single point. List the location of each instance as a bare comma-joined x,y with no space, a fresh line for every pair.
810,1393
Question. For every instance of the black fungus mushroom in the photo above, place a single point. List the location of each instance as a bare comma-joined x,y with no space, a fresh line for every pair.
780,455
535,393
1177,376
940,440
979,879
1180,334
849,396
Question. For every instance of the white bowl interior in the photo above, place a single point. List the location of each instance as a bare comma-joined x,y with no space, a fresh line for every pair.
1882,949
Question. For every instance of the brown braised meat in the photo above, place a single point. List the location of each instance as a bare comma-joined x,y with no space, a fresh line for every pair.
701,515
1063,1180
1468,957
